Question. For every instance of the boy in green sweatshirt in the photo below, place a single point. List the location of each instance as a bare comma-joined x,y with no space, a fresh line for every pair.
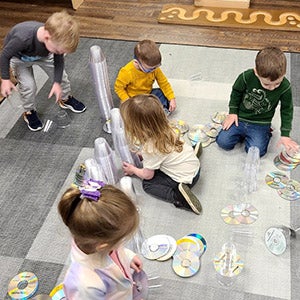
255,95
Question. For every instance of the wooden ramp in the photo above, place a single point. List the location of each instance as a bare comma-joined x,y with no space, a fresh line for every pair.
230,17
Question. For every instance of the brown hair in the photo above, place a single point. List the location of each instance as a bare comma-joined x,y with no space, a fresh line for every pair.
147,52
146,123
270,63
64,30
110,220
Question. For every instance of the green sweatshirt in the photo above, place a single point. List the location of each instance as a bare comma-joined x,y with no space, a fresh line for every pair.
254,104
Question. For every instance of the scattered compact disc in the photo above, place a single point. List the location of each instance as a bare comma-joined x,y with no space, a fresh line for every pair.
23,286
219,117
181,126
283,166
291,192
212,129
202,241
155,247
276,240
140,286
248,214
276,180
186,264
229,215
228,266
188,244
197,134
172,249
58,293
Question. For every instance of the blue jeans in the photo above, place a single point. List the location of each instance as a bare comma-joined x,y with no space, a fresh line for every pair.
164,187
162,98
253,135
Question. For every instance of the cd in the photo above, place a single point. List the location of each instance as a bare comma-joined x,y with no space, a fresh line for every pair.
202,242
291,192
172,249
228,266
285,159
188,244
219,117
212,129
229,215
140,285
23,286
58,293
180,125
292,157
248,214
276,180
186,264
155,247
197,134
282,166
276,240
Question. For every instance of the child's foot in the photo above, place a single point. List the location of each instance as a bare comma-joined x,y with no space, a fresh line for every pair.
73,104
198,149
32,120
191,201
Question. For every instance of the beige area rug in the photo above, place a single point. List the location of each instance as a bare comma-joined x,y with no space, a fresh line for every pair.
230,17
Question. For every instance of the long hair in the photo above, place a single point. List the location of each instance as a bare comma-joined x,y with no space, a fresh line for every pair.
64,30
270,63
146,123
110,220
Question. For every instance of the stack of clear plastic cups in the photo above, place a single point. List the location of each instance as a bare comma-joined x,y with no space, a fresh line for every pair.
105,159
99,72
119,139
251,168
93,170
127,187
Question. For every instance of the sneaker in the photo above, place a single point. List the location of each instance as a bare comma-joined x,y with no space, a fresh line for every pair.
198,149
32,120
73,104
190,198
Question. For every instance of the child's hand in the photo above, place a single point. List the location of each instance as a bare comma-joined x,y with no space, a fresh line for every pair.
128,168
230,119
56,90
136,264
289,144
6,87
172,105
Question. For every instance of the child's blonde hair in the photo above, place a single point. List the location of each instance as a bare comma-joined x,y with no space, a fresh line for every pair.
64,30
270,63
146,123
147,52
111,220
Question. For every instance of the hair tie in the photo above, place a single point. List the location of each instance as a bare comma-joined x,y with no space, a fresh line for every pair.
91,189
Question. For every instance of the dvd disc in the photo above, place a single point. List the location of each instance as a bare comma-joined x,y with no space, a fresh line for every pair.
186,264
188,244
291,192
276,180
201,240
228,267
282,166
293,158
219,117
212,129
172,249
58,293
155,247
180,125
23,286
276,240
229,215
248,214
140,286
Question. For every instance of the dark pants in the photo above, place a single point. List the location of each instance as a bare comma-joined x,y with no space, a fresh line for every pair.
162,98
164,187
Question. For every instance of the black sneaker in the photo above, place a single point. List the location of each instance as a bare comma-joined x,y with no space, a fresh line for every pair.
32,120
73,104
198,149
190,198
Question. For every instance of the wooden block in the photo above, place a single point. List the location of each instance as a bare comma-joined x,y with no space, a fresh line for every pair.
76,3
223,3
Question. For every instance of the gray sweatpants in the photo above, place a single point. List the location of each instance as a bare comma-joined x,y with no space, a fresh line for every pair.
23,72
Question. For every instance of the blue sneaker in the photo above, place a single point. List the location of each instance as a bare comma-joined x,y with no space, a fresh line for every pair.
32,120
73,104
